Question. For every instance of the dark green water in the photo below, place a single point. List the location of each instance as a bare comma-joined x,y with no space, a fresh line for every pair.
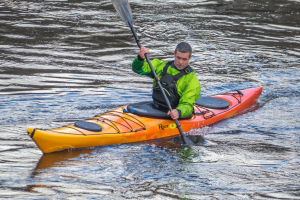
63,61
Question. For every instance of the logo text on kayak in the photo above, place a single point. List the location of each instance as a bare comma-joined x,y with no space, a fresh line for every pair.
162,127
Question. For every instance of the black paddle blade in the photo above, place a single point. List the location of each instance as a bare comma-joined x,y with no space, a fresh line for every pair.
187,141
198,140
124,10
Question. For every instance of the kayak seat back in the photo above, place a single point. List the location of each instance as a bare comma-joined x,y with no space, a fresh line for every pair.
213,102
146,109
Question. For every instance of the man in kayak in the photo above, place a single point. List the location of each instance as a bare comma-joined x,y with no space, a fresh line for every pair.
177,78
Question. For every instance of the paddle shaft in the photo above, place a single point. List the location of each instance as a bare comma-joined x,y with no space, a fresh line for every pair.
158,82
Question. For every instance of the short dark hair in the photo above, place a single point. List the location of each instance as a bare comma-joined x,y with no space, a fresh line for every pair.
184,47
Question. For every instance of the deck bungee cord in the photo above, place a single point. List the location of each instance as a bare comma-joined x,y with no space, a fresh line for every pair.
112,123
207,110
113,113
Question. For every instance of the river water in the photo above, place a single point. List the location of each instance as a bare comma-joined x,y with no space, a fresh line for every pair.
63,61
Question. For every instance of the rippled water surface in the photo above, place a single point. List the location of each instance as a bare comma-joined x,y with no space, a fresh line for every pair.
62,61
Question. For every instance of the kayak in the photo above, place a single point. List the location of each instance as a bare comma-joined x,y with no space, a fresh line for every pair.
141,122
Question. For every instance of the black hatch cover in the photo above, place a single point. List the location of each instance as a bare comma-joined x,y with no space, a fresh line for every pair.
212,102
88,126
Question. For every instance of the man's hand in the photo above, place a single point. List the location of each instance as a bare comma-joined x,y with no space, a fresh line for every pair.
143,51
174,114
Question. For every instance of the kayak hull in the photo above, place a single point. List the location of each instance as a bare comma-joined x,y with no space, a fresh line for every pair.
120,127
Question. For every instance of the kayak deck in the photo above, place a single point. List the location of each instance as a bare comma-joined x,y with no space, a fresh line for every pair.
117,126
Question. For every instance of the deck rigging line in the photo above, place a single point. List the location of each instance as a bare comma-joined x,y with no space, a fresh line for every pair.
213,114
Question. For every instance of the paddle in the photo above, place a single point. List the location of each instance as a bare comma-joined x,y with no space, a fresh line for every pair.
124,10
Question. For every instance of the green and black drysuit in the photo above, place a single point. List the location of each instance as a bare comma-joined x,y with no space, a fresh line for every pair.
188,86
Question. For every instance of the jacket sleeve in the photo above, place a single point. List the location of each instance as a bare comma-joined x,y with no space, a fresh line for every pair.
190,94
143,68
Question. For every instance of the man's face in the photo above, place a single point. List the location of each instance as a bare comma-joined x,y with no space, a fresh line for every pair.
181,60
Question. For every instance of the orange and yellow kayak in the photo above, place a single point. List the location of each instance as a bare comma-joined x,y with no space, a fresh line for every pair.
124,125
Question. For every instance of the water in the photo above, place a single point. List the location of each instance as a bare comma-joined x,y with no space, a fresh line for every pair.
63,61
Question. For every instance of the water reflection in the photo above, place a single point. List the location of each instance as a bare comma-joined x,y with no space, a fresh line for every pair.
139,170
57,159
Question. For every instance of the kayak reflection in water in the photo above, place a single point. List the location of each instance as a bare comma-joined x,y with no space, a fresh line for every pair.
177,78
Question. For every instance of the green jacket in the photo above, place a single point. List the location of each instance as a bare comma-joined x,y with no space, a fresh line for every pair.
188,86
